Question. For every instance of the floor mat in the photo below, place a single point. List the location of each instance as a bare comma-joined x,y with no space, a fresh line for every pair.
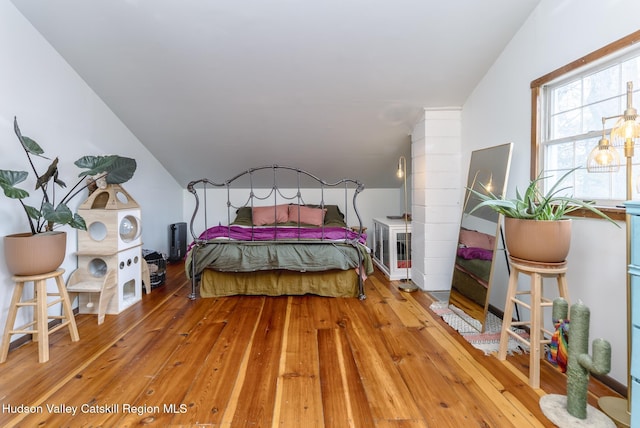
469,328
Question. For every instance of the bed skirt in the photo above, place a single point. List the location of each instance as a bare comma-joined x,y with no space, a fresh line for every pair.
333,283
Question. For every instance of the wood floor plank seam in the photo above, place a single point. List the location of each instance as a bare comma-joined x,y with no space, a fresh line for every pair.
15,421
278,401
391,395
388,361
343,375
209,393
459,349
160,341
485,380
210,331
229,411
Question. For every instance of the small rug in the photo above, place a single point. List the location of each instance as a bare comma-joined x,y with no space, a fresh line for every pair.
469,328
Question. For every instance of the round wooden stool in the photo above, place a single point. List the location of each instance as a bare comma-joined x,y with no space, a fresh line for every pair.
38,328
538,302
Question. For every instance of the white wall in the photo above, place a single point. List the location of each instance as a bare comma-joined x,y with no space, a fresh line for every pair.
498,111
56,108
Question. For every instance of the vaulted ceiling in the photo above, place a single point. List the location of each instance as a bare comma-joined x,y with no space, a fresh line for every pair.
214,87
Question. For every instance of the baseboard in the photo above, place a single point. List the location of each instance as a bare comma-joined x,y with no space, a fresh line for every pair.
604,379
613,384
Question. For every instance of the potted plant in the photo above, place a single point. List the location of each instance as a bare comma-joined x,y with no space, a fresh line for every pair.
537,226
32,252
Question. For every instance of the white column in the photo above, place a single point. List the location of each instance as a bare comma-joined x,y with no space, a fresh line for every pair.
435,153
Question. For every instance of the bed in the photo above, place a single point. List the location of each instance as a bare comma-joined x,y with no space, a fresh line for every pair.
274,240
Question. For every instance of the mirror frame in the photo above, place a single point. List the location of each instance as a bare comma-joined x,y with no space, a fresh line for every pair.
488,167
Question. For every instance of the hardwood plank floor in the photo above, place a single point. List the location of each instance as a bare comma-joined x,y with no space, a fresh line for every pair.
302,361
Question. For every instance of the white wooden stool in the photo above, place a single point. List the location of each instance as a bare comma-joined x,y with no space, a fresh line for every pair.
538,302
38,328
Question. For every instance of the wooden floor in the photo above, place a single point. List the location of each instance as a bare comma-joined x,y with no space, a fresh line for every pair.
304,361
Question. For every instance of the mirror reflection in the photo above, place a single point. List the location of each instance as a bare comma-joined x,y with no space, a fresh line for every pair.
479,235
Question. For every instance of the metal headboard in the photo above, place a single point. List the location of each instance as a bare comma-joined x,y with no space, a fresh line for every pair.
275,195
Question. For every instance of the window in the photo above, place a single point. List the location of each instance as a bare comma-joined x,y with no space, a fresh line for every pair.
568,107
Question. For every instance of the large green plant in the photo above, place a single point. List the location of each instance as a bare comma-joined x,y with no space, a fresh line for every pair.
535,205
49,214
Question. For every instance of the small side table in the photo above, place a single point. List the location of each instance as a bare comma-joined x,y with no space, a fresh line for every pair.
38,328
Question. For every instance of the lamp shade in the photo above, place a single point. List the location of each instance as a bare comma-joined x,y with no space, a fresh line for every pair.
402,166
603,158
627,127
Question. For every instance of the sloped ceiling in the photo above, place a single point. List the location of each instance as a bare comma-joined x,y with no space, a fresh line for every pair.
214,87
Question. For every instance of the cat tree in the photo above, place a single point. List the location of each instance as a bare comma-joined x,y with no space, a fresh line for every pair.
111,243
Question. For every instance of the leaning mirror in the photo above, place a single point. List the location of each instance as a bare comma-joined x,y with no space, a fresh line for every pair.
479,236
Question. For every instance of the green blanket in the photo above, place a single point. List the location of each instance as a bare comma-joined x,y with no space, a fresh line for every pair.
253,256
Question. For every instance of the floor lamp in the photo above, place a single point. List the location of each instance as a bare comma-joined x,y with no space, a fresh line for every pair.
605,158
405,284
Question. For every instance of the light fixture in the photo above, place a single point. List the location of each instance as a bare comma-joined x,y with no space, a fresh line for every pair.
405,284
627,128
623,134
604,157
402,165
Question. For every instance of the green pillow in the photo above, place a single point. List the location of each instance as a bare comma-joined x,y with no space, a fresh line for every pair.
243,217
333,216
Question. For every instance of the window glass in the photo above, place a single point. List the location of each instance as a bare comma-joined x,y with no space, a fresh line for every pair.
571,124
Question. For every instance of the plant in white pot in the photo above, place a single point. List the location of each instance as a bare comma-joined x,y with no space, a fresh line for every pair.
31,253
537,226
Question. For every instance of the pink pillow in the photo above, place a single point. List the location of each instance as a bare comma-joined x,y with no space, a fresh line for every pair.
270,215
313,216
475,239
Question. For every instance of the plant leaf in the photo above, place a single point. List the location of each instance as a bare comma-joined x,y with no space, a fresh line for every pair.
121,170
118,169
78,222
32,147
51,173
33,212
95,164
532,204
13,177
29,145
8,179
61,214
